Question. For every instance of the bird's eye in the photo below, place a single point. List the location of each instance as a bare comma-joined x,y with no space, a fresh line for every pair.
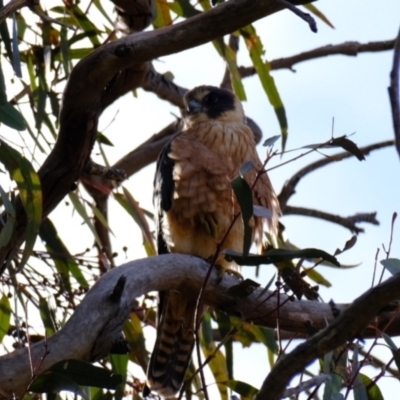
212,98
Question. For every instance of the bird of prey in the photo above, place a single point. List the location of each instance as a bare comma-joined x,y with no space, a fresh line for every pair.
195,206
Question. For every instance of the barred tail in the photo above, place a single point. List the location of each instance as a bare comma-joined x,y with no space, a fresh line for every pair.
173,348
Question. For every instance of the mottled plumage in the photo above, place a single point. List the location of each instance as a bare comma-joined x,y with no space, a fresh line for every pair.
195,206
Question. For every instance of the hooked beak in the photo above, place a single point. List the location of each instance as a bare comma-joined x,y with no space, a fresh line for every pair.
194,107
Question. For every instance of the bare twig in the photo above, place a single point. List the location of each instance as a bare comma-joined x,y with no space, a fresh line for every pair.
394,92
348,222
289,188
304,16
346,49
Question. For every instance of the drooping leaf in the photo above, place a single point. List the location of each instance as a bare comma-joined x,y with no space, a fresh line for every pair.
47,315
244,389
244,197
127,201
119,364
256,51
134,335
8,229
53,382
163,14
373,391
16,60
224,327
348,145
99,6
79,373
11,117
243,289
277,255
80,208
314,10
332,386
392,265
183,8
270,141
5,315
217,362
64,49
103,139
393,348
87,25
30,194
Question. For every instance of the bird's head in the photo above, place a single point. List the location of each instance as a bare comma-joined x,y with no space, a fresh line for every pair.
205,103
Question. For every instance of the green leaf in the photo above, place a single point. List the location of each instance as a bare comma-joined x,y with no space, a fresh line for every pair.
132,207
5,315
242,388
81,373
99,6
244,197
392,265
64,49
48,317
183,8
11,117
16,57
163,14
243,289
277,255
224,327
314,10
8,229
52,382
80,208
373,391
84,22
217,362
41,98
256,51
315,276
332,386
134,335
30,194
119,364
394,349
103,139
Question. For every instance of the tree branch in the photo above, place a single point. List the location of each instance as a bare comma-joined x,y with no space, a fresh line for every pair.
288,189
347,222
347,49
14,5
394,92
98,321
349,325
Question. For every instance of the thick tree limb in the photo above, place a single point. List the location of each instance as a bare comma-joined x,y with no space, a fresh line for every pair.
97,322
346,327
394,92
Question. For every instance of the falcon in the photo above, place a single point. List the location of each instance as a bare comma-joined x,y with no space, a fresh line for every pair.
195,206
